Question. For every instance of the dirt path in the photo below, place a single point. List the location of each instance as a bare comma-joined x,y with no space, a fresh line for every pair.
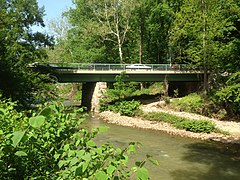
233,128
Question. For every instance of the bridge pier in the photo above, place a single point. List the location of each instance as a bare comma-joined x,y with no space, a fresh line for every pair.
87,94
91,95
97,95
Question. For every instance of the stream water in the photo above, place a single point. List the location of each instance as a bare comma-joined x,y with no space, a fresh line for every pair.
179,158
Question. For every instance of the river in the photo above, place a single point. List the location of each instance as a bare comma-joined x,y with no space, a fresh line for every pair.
179,158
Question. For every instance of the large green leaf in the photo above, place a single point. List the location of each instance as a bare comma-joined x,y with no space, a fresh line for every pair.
17,137
100,175
37,121
46,112
142,174
2,111
131,149
111,169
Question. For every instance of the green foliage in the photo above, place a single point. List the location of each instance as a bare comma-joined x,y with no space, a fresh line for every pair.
50,144
127,108
78,95
71,91
99,31
166,99
121,89
204,33
182,123
115,33
19,47
152,89
193,103
229,96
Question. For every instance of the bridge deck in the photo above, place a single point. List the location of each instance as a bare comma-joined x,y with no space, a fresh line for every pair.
108,72
126,71
137,76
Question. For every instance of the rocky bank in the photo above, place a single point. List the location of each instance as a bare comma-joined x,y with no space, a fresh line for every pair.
233,128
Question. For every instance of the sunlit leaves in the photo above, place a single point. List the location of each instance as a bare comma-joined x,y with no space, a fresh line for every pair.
20,153
111,169
101,175
54,140
202,32
229,96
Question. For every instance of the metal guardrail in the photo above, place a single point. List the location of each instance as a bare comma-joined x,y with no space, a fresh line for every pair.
118,67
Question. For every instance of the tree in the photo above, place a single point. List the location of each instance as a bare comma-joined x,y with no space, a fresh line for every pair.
149,31
59,28
204,32
20,47
229,95
107,21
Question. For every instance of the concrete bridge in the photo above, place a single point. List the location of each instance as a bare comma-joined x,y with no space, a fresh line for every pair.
178,76
75,72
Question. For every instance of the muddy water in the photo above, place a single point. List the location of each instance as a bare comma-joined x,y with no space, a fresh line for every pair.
179,158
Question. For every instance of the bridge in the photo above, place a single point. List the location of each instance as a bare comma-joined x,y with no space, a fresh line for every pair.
78,72
178,76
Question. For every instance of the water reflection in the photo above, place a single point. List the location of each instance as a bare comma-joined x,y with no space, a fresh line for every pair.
179,158
222,162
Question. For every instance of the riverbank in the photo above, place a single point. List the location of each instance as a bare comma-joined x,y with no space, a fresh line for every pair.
232,128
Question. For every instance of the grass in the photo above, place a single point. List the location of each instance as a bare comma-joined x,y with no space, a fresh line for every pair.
182,123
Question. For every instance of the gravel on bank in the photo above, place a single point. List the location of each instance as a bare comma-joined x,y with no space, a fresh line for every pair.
233,128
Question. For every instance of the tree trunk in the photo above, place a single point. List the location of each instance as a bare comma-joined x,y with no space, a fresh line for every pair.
205,80
140,49
141,38
120,53
165,86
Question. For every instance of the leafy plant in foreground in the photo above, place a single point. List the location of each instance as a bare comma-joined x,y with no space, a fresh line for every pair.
51,145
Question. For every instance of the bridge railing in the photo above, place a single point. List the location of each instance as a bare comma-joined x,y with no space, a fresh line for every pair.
119,67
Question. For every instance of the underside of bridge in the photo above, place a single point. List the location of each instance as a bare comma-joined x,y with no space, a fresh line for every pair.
87,94
130,77
91,90
183,82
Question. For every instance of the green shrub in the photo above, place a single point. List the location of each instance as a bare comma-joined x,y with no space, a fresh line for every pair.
182,123
166,99
196,125
127,108
192,103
